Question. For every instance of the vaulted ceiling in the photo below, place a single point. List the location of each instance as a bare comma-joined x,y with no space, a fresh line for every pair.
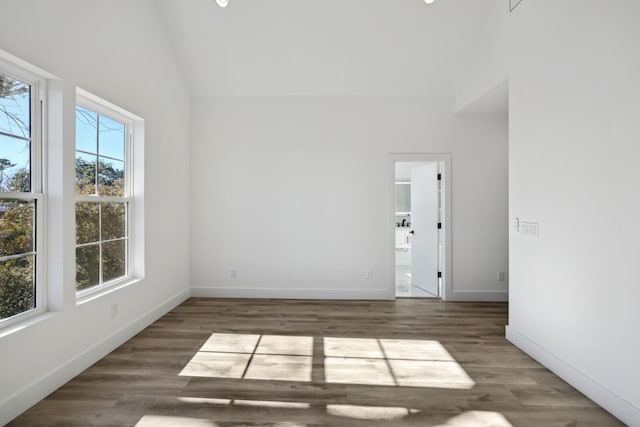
322,47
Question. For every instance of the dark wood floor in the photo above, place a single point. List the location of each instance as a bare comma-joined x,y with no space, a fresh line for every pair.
214,362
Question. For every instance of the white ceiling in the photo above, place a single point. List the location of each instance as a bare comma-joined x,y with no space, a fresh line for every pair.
321,47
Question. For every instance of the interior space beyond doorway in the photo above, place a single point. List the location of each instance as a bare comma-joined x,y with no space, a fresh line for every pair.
420,232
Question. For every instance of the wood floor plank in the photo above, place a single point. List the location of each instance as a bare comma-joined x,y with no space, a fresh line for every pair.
239,362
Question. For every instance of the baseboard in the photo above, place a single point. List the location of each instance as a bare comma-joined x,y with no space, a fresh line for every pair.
616,405
478,296
31,394
282,293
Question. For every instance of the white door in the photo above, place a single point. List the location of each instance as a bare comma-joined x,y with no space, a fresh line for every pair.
424,228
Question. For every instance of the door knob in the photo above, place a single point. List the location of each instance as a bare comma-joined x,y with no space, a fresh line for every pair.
412,232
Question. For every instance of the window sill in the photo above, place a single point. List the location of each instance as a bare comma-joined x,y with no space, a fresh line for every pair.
26,323
89,295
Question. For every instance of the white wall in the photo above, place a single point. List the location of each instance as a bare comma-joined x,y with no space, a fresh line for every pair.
293,193
487,65
116,50
574,147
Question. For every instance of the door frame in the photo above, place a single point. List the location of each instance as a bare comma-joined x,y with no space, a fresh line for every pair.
445,160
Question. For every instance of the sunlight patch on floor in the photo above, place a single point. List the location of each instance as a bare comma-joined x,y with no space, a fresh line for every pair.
366,361
174,421
231,343
279,368
352,347
415,350
370,412
389,362
289,345
477,419
218,365
256,357
358,371
435,374
272,404
245,402
205,400
171,421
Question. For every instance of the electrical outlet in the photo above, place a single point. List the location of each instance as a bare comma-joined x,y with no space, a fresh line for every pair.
115,310
369,275
529,229
500,276
234,274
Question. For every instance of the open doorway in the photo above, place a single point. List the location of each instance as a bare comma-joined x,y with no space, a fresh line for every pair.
420,226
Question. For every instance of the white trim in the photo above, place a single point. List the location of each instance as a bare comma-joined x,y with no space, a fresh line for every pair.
133,193
39,152
287,293
31,394
15,322
482,296
445,160
93,102
26,323
13,63
101,199
96,291
38,99
20,70
609,400
22,196
36,79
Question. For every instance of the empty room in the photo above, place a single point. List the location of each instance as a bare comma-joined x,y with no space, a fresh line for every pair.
307,213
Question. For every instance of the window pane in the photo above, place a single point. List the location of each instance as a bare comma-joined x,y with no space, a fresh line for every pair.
15,107
17,286
86,132
101,224
114,255
15,164
111,138
17,219
87,222
114,222
87,266
110,177
85,173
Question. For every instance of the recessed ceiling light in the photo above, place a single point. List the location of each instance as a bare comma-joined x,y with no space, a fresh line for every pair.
429,1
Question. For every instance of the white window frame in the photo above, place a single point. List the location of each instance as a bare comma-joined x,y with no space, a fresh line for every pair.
38,185
132,124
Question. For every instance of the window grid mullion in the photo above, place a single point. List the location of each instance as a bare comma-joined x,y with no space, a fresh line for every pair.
99,155
11,135
84,245
102,199
118,239
97,242
17,256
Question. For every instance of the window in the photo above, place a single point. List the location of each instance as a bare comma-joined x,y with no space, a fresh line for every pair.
103,195
21,194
